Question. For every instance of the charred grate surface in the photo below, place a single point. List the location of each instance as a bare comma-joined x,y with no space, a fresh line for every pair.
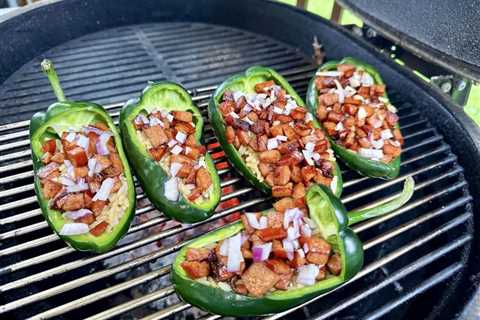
421,246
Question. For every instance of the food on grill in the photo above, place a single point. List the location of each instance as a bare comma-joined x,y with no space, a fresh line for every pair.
82,179
161,131
270,137
350,100
274,260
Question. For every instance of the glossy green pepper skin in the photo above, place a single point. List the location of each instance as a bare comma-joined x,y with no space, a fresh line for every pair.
333,221
171,97
59,117
245,82
363,165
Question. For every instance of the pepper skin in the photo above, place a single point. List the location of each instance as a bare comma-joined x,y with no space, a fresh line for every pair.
333,220
363,165
64,115
152,177
246,83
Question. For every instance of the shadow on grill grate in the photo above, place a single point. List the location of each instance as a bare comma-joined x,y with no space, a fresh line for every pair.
407,252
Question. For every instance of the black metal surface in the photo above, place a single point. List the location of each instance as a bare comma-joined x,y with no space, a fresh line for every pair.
442,31
113,65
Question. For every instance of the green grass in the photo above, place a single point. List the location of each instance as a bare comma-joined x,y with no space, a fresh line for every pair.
324,8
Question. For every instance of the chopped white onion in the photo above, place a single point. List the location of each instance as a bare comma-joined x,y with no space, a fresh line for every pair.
171,189
316,156
290,106
362,114
247,108
234,115
308,117
366,79
104,190
354,81
306,230
291,215
305,247
333,184
224,248
261,252
237,95
234,257
95,130
66,181
83,142
371,153
171,143
256,223
92,162
292,233
288,247
101,144
76,214
70,137
308,157
277,110
300,253
272,143
377,144
307,274
349,91
310,146
281,138
340,93
71,229
176,149
328,73
181,137
339,126
174,168
169,117
154,121
247,120
70,169
391,108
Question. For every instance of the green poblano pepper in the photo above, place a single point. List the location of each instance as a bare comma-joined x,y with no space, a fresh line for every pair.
66,115
245,82
363,165
332,219
167,96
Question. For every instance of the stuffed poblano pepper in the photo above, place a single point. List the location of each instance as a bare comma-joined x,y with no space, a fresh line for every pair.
162,133
270,137
350,100
82,179
274,260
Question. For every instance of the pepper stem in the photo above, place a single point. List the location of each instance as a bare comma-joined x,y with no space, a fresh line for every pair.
49,70
400,200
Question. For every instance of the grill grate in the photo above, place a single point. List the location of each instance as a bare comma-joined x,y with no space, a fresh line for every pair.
408,251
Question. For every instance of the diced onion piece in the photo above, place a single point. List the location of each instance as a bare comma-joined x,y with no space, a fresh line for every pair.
371,153
308,157
340,93
92,163
272,143
81,185
366,79
281,138
333,184
70,137
247,108
256,223
105,189
171,143
234,115
386,134
301,253
310,146
66,181
76,214
362,114
95,130
237,95
234,257
174,168
224,248
328,73
261,252
46,170
154,121
339,126
306,230
70,169
308,117
354,81
305,247
377,144
176,149
349,91
316,156
307,274
288,247
391,108
277,110
83,141
291,215
71,229
171,189
101,144
181,137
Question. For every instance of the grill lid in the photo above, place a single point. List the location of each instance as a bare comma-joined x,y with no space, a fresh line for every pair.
438,31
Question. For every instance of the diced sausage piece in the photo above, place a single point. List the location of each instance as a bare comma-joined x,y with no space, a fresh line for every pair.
239,287
103,161
308,173
270,156
261,86
46,158
364,143
87,198
81,172
282,191
196,269
180,158
270,234
322,273
58,158
298,113
259,279
99,229
87,219
226,107
243,137
203,179
334,116
247,226
192,152
320,179
276,130
264,168
277,250
230,134
185,170
101,126
329,127
283,204
49,146
282,175
317,258
158,152
299,191
335,264
92,141
262,143
316,244
298,260
322,112
284,282
289,132
190,141
278,266
50,188
97,206
396,134
71,202
379,89
274,219
77,156
197,254
116,185
269,179
296,175
390,149
184,116
65,144
328,99
116,168
156,135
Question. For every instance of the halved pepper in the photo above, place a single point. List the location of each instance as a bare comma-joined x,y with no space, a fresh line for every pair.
60,117
363,165
170,97
333,221
245,82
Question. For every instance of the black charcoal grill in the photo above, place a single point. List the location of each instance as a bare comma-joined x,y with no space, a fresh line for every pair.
421,262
